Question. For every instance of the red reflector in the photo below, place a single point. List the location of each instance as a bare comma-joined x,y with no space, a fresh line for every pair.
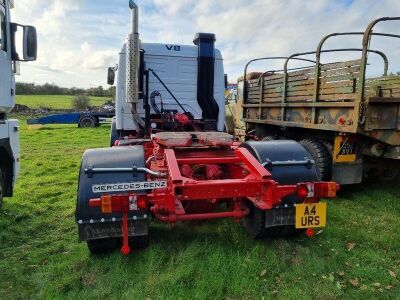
310,232
125,250
95,202
141,202
305,190
302,191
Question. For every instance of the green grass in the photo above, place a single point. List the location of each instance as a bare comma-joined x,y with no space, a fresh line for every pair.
54,101
40,256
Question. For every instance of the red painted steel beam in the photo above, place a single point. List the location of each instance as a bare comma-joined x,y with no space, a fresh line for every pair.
222,189
205,216
252,163
208,160
173,168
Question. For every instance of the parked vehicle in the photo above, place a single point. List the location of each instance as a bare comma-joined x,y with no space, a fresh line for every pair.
83,119
12,36
348,122
172,162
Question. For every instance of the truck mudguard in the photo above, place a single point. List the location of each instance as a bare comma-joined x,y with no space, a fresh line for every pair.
286,160
289,163
92,223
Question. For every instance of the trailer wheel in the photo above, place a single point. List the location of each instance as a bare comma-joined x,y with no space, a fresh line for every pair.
1,189
100,246
322,157
86,122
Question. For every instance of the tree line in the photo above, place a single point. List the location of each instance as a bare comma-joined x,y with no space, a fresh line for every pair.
53,89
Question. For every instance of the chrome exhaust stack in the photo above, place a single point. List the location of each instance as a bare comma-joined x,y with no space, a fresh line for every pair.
133,64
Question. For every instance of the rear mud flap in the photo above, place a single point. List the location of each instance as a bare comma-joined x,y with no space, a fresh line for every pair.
347,173
111,229
280,216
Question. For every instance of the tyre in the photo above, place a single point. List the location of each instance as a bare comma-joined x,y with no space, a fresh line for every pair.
321,156
254,223
86,122
139,242
268,138
100,246
388,173
328,145
1,189
113,133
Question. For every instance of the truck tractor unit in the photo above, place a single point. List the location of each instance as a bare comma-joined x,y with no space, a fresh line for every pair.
348,123
12,35
172,162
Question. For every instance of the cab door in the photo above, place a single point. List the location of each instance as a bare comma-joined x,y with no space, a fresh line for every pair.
6,94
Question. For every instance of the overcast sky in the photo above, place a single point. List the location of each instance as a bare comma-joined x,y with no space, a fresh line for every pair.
79,39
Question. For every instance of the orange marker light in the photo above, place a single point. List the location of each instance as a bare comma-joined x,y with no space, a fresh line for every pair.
326,189
106,204
332,188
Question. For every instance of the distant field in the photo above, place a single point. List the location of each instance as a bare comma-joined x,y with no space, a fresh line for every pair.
355,257
54,101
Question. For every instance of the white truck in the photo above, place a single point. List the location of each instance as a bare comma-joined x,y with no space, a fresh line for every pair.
172,79
17,43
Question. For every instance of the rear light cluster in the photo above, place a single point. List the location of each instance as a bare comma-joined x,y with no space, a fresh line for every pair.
119,203
317,190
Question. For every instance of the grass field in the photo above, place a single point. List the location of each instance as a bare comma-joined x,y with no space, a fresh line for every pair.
356,256
54,101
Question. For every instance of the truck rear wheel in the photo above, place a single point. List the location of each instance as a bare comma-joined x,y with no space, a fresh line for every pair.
100,246
321,156
255,224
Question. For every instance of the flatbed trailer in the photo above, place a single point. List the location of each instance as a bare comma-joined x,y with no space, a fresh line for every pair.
350,123
83,119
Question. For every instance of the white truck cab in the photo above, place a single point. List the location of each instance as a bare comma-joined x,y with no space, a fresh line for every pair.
177,67
17,43
158,82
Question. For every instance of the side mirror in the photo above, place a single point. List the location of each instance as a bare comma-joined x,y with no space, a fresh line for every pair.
226,80
23,42
110,75
30,43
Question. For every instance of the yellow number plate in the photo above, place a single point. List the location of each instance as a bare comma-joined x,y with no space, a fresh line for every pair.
310,215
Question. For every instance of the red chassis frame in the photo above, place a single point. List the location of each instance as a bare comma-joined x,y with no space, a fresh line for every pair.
241,178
